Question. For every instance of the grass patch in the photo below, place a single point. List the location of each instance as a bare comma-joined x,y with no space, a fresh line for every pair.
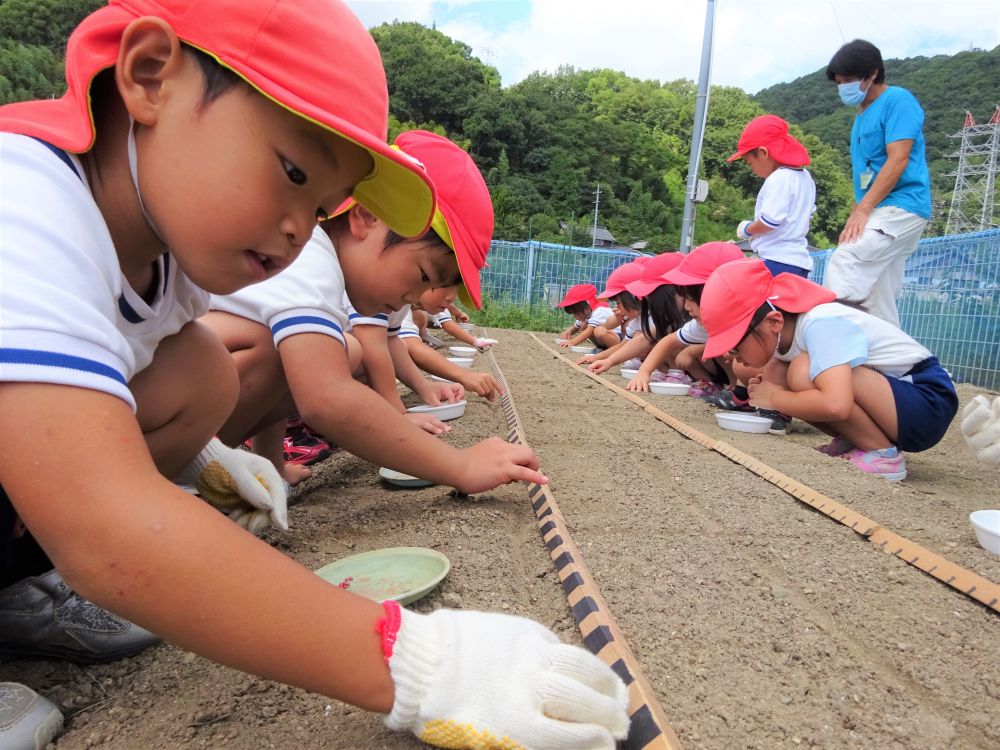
507,314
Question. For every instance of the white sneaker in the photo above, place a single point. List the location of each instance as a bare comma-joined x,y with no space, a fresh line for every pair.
27,720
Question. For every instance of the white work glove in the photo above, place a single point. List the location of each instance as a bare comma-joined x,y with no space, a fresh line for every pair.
741,230
242,484
478,680
483,343
981,428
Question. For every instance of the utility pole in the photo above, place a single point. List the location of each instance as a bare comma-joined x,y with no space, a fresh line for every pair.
597,203
698,132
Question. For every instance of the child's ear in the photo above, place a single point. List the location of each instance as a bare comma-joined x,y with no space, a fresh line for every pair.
762,152
362,221
150,54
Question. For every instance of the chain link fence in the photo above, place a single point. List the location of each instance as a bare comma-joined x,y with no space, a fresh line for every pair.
950,301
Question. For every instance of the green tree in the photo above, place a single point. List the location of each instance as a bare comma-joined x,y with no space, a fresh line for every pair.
431,78
28,72
47,23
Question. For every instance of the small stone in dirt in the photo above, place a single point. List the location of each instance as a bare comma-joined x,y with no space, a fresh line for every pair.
542,571
452,599
779,592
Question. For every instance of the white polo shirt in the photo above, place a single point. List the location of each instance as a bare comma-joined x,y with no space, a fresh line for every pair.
835,334
786,203
68,316
306,297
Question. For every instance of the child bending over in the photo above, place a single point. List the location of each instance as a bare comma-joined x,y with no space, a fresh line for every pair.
864,382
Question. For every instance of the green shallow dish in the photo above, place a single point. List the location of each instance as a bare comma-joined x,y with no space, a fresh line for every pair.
404,574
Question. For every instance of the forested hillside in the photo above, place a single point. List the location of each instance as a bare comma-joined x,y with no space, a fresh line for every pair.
546,144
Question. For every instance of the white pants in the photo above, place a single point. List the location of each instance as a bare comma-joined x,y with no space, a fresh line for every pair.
869,272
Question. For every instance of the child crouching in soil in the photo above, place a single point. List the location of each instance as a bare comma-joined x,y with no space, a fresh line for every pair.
195,147
864,382
581,302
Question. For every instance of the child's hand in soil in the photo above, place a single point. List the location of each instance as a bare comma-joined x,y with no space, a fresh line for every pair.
639,384
475,679
493,462
429,423
482,384
436,394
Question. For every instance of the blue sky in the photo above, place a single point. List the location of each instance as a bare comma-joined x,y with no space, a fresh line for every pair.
758,43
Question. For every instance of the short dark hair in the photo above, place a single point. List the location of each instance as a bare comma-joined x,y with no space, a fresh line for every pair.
577,307
218,78
338,223
856,59
627,300
691,292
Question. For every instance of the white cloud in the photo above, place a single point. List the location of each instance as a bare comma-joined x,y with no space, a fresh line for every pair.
757,42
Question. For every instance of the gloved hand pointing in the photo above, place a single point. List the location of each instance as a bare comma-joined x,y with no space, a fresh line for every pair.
481,680
240,483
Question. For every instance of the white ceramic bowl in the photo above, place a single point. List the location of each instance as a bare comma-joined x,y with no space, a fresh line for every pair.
465,362
581,349
669,389
463,351
987,526
627,373
742,422
400,479
443,412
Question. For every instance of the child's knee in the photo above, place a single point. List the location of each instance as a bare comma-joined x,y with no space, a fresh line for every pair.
354,354
191,372
798,374
685,358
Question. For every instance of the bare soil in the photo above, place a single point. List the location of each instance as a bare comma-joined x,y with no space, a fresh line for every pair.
759,622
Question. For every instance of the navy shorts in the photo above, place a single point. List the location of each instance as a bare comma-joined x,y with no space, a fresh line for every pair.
926,403
21,557
776,267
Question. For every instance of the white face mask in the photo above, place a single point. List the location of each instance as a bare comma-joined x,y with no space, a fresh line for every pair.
852,94
133,167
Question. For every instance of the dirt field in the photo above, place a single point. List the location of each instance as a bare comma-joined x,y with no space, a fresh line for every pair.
759,622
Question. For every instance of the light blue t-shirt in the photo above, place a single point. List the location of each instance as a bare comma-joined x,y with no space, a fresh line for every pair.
895,116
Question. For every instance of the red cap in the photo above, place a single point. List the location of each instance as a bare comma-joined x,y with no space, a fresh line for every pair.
643,259
771,131
698,265
652,273
312,57
619,278
736,290
464,214
581,293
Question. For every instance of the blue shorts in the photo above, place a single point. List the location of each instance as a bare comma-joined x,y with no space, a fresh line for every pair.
776,267
926,403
